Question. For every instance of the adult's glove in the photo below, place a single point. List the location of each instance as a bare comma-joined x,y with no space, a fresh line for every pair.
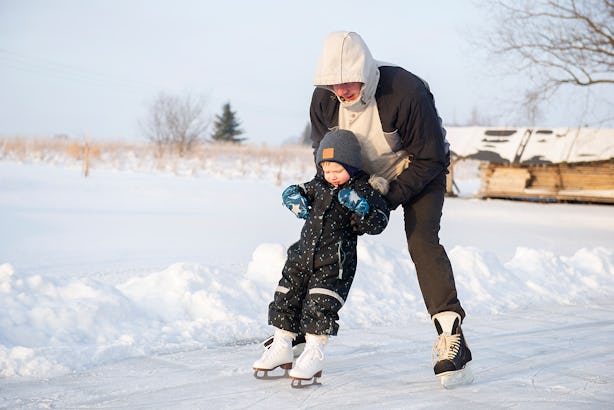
354,202
295,201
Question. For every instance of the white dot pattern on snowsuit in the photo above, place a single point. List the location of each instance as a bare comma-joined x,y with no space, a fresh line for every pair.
320,268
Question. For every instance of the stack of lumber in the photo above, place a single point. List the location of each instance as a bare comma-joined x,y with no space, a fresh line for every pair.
578,182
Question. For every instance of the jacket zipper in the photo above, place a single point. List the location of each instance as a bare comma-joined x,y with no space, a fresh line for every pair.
340,257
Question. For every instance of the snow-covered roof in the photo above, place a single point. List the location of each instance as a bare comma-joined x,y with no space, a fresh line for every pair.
532,145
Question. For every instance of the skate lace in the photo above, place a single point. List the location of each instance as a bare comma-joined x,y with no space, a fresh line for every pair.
446,348
310,354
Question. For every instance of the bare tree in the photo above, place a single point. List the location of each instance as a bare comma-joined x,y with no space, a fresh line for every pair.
176,122
478,118
556,42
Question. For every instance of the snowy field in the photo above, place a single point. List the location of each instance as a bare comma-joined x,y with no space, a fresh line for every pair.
148,289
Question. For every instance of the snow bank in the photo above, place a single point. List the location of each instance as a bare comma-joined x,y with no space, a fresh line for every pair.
53,325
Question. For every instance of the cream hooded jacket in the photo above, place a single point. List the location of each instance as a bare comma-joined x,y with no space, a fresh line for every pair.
395,119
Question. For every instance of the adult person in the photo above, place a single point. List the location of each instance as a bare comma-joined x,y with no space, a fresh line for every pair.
392,113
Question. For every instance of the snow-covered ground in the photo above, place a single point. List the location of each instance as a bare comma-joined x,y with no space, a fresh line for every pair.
144,289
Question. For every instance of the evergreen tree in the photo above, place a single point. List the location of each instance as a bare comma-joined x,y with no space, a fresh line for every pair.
305,138
226,126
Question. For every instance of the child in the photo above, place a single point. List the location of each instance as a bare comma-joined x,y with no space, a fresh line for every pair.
338,204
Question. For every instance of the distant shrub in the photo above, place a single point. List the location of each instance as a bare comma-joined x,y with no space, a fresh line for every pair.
285,163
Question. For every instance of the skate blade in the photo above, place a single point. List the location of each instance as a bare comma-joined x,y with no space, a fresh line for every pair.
299,382
263,374
449,380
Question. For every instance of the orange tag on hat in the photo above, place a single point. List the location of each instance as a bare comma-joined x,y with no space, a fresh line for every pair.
328,153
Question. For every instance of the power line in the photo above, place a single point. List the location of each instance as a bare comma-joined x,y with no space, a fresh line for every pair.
61,71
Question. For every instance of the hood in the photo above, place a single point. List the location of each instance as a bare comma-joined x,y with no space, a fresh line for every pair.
346,58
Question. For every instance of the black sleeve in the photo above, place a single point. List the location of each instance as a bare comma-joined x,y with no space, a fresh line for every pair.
422,136
376,220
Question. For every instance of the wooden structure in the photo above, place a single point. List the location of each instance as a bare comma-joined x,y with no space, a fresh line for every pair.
561,165
578,182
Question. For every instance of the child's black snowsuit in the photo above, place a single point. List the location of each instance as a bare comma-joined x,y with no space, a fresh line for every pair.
320,268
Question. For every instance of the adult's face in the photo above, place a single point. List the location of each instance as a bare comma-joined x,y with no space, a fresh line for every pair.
347,91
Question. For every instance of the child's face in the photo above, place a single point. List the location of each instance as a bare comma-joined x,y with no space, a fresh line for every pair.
334,173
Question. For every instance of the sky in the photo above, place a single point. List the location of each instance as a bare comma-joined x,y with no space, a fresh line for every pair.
73,67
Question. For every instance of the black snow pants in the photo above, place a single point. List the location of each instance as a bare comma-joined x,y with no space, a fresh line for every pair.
422,222
311,292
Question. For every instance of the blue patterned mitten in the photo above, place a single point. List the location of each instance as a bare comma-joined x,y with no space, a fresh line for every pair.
295,201
354,202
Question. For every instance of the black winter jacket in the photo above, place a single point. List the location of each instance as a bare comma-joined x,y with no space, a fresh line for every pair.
330,224
405,105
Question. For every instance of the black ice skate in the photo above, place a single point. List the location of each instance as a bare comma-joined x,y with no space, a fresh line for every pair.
451,351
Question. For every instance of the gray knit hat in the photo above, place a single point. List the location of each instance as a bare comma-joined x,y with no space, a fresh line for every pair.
340,146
